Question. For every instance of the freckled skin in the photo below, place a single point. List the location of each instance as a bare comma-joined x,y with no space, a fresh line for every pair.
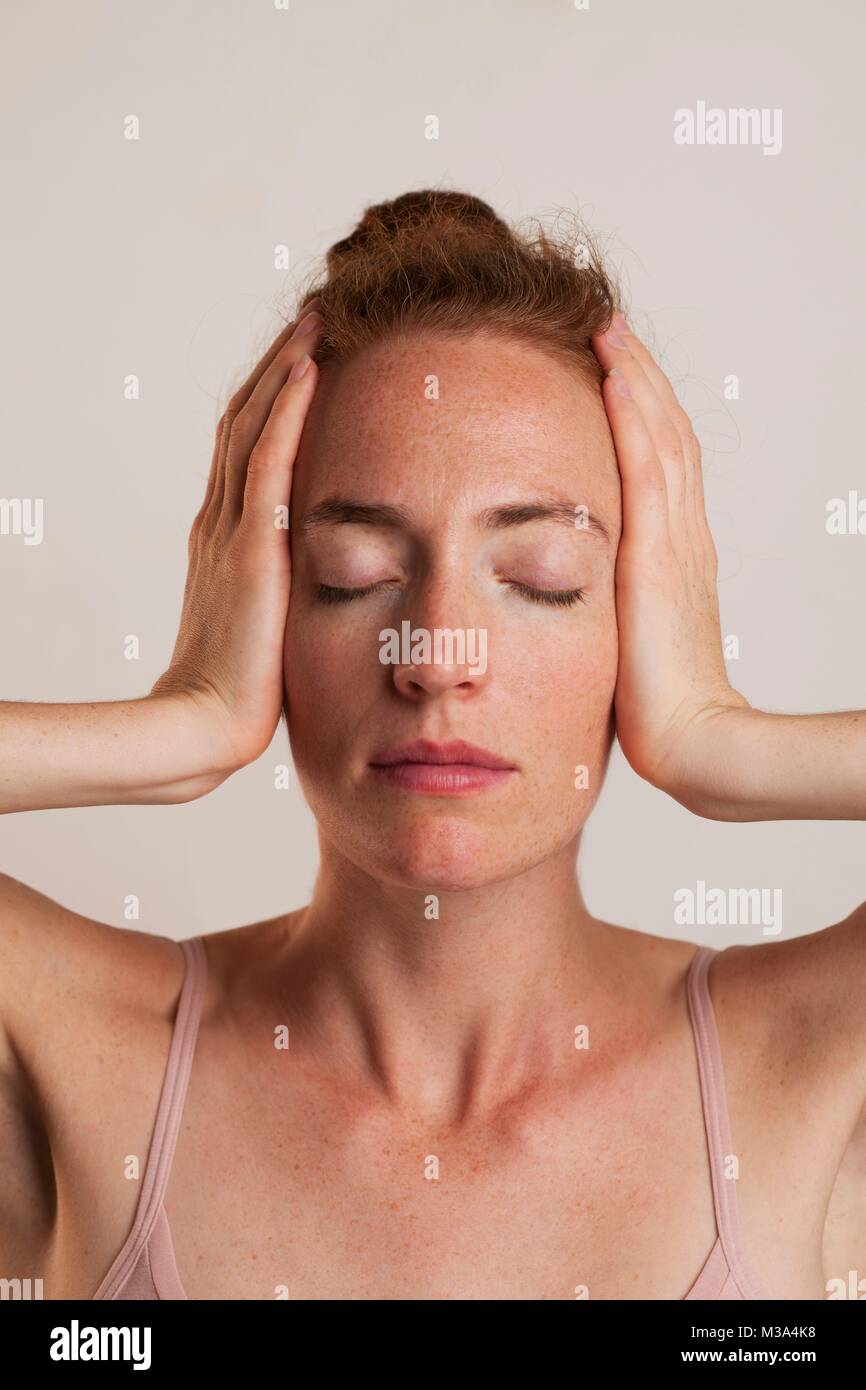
433,1132
510,422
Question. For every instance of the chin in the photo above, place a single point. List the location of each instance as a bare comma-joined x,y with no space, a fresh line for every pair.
443,853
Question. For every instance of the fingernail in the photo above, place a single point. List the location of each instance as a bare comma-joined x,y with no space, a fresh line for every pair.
300,367
308,324
620,384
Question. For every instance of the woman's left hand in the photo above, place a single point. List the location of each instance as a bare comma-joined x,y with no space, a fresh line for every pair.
672,694
680,722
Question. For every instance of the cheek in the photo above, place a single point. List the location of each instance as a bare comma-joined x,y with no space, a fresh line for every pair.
311,665
577,650
327,683
592,670
561,695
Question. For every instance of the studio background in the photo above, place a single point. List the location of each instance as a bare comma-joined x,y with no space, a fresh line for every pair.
261,128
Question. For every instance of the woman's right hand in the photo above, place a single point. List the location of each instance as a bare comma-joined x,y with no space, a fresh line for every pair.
227,663
217,706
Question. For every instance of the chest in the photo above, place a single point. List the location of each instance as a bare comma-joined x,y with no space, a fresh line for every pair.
592,1194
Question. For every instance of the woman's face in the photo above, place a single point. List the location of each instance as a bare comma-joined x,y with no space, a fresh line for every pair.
477,461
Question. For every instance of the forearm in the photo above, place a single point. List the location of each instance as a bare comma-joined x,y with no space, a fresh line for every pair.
120,752
784,767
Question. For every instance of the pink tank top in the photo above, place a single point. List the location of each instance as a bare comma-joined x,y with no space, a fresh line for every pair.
145,1267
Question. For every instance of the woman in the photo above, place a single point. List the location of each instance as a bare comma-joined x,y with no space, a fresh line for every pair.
443,1078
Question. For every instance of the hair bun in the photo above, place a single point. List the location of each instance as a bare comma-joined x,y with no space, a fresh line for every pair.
415,216
442,261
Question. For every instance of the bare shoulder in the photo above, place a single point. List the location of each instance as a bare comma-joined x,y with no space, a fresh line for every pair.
798,1005
790,1011
63,969
792,1028
803,1000
56,965
814,984
84,1010
86,1017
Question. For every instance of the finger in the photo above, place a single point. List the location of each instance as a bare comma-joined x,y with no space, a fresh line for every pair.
644,487
694,495
660,381
268,481
242,396
613,350
249,423
212,475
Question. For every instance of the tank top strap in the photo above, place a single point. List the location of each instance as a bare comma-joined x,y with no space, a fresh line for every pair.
176,1078
716,1120
168,1115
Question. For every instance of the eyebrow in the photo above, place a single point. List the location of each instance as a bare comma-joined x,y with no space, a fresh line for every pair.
336,511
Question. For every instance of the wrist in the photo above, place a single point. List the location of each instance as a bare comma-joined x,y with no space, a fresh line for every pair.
716,766
190,751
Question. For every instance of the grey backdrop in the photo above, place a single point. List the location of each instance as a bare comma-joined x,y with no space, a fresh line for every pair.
262,126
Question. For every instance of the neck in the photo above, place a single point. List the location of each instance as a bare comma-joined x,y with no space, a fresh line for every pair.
446,1006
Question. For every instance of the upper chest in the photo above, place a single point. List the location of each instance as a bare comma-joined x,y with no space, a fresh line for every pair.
279,1183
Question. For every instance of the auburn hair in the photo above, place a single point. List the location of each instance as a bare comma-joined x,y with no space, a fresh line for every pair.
443,260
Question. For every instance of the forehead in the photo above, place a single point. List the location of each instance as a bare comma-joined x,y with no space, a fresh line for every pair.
431,417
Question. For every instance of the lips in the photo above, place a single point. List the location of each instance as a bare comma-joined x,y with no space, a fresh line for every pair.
441,769
422,750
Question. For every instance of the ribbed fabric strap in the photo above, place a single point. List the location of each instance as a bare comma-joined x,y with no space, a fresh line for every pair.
168,1117
716,1121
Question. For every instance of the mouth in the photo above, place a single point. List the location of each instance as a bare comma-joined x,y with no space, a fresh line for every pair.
441,769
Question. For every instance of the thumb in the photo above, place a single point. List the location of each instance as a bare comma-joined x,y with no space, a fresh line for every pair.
644,492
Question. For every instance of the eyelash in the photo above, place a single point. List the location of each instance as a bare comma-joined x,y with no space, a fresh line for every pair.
329,594
559,598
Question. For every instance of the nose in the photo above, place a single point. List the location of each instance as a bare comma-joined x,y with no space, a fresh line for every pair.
436,654
431,677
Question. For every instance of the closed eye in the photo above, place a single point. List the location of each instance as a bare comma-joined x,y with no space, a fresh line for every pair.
561,598
330,593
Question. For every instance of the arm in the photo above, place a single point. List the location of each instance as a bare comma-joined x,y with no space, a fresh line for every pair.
142,751
217,706
782,766
681,724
